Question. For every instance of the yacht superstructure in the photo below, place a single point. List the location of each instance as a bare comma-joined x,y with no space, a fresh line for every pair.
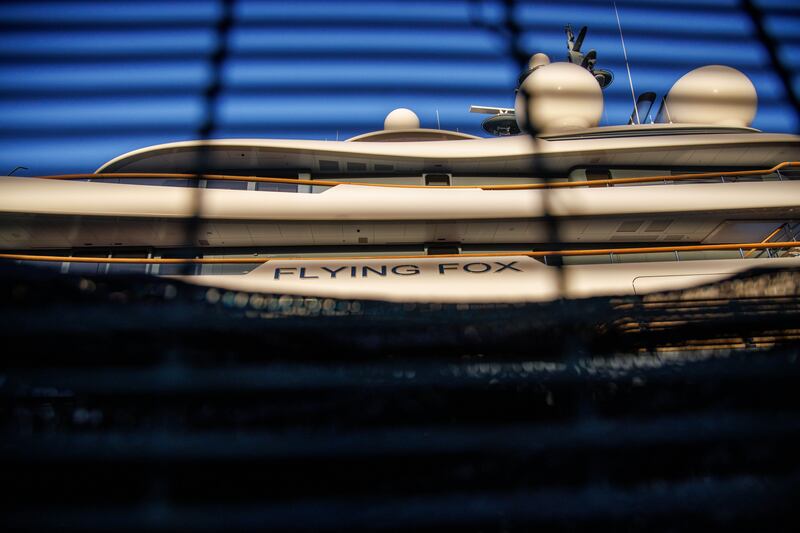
411,214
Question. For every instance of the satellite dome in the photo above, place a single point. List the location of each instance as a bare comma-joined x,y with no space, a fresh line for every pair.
401,119
538,60
561,96
714,94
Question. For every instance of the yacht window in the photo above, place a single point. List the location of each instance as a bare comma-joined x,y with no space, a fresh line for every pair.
275,187
230,268
226,184
328,166
47,265
128,268
167,269
383,168
593,174
444,249
356,167
790,173
440,180
177,183
88,268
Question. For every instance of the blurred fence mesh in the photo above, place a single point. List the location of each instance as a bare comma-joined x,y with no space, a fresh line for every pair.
131,402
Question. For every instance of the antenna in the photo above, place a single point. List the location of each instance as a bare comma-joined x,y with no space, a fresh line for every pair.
19,167
438,126
575,56
627,66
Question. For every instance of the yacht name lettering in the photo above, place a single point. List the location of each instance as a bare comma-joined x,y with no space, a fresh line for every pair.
478,267
382,271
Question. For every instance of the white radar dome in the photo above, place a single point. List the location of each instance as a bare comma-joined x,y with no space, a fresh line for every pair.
714,94
538,60
401,119
561,96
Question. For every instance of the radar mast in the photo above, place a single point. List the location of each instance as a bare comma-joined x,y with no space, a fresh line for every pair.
503,121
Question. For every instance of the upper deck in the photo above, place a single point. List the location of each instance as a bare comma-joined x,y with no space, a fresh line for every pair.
664,146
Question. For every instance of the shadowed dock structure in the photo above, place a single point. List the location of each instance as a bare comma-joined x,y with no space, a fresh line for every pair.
176,407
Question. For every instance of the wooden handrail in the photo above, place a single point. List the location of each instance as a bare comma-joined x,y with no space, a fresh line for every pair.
503,187
544,253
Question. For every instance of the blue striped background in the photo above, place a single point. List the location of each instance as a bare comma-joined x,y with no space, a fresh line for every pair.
81,82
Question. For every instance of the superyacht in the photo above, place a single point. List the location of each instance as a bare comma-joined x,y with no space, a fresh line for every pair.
685,193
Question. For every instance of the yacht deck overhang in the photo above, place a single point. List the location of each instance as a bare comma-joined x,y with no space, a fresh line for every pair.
495,156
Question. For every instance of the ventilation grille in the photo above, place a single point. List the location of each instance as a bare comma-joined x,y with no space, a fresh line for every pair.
630,226
657,226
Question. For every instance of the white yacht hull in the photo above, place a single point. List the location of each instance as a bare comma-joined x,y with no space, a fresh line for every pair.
476,280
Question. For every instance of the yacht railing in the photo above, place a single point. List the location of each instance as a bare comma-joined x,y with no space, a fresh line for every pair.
790,248
785,230
666,179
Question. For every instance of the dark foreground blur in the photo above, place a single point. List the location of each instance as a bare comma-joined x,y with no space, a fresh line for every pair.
141,403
